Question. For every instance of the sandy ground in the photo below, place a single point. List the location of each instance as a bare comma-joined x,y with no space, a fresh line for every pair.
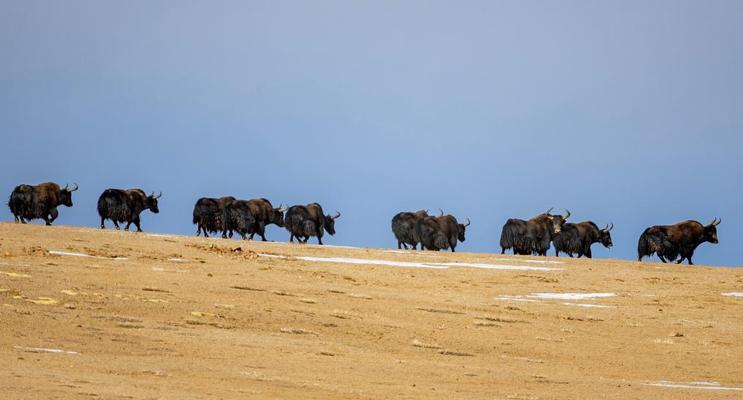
114,315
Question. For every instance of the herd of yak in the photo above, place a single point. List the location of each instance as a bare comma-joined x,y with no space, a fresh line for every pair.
248,217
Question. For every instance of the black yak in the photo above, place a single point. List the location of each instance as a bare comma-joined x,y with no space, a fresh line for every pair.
303,222
238,216
121,205
403,226
29,202
532,236
209,215
578,238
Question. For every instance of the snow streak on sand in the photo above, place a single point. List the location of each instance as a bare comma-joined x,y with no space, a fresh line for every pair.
733,294
65,253
587,305
408,264
693,385
536,297
44,350
570,296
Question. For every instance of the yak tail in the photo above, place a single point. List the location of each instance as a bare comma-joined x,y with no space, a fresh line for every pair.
103,205
511,237
644,246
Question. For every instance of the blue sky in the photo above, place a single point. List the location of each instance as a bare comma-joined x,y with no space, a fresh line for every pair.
621,111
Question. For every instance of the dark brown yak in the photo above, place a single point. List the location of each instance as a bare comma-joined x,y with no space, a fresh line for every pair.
452,229
29,202
265,214
672,241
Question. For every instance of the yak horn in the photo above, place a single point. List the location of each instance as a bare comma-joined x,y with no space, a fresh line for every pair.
76,187
337,215
468,222
548,211
715,222
568,214
283,208
442,212
158,196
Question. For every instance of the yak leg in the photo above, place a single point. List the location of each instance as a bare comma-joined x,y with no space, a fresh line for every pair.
262,231
588,253
116,224
399,245
136,223
662,258
51,216
291,238
688,257
319,240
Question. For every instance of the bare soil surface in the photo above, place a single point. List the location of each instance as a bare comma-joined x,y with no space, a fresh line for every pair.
87,314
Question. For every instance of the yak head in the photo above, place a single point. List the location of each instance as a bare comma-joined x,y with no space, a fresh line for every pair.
65,195
151,202
330,222
710,231
557,220
605,236
277,216
460,230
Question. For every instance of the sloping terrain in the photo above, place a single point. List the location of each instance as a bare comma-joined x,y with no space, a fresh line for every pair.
88,314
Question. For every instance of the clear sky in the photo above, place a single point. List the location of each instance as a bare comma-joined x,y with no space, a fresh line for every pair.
621,111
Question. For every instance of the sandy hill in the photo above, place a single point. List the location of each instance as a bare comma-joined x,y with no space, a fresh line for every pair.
88,314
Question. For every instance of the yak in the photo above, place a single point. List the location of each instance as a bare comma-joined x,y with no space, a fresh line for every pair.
238,217
29,202
265,214
209,215
121,205
303,222
578,238
432,237
532,236
452,229
670,242
403,226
